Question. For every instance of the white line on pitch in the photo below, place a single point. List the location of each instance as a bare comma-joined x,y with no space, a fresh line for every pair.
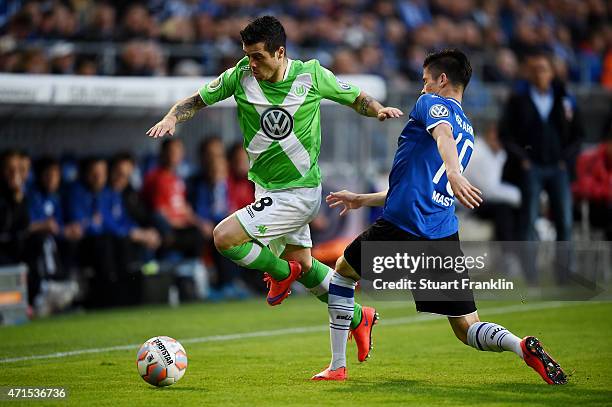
287,331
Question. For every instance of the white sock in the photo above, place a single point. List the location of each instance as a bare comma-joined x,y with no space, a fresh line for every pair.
489,336
340,306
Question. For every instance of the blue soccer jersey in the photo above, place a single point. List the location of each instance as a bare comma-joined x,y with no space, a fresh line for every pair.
420,199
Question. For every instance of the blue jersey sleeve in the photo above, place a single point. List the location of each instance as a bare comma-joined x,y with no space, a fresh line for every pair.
116,219
36,206
431,110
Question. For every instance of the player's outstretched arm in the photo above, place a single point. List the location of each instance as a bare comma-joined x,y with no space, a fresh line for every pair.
465,192
350,200
180,112
366,105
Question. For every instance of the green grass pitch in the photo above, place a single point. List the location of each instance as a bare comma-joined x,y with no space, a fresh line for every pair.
416,359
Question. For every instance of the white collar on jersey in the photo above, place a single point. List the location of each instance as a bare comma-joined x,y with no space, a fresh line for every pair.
287,69
453,100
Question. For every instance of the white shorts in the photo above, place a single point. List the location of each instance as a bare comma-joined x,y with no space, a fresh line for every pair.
279,218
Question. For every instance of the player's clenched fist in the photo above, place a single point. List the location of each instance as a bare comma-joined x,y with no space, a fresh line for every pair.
165,125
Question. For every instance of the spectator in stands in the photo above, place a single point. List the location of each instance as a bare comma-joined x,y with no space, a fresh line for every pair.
102,23
541,129
14,216
134,60
46,226
241,191
34,61
165,194
594,183
136,24
502,199
87,197
346,62
9,55
503,70
86,67
90,246
44,199
126,221
209,197
209,188
62,59
125,208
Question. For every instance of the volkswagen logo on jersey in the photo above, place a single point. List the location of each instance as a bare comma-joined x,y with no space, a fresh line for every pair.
276,123
438,111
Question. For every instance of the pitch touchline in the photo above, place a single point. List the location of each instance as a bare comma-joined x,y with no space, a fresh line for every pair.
286,331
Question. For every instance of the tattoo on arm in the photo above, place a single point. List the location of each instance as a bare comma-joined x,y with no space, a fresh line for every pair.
364,105
187,108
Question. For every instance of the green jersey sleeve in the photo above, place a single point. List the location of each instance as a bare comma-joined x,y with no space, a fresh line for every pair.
223,86
333,88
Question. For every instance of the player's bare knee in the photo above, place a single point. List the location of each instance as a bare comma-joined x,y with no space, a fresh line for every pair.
222,238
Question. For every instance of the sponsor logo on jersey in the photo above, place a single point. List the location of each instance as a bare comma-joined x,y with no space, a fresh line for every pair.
262,229
438,111
343,85
300,90
276,123
250,211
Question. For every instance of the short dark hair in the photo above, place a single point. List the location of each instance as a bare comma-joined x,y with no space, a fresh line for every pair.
165,145
87,163
266,29
121,157
535,52
454,63
6,155
207,142
43,164
234,149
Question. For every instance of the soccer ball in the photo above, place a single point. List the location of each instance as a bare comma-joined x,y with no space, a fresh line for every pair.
161,361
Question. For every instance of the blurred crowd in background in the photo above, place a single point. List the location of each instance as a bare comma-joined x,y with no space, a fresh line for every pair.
382,37
93,223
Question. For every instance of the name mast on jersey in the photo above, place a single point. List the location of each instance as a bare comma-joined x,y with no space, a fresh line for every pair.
438,197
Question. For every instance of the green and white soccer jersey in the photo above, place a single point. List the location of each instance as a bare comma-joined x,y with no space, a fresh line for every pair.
281,121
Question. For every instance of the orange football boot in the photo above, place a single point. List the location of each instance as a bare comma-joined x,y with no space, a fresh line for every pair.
536,357
363,332
338,375
279,290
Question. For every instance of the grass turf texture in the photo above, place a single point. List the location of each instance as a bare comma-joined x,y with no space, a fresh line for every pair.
418,362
